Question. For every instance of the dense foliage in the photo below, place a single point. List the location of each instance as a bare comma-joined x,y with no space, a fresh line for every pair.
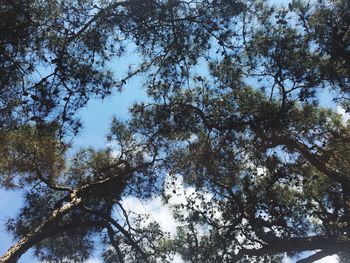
243,108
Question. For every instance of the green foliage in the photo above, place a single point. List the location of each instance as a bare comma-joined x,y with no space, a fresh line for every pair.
241,108
25,151
258,135
55,54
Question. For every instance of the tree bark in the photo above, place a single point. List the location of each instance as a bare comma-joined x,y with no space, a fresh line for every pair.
39,232
329,245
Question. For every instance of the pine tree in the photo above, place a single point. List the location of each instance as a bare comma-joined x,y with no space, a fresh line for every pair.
258,138
241,109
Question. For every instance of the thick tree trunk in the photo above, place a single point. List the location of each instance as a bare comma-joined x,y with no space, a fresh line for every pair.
39,233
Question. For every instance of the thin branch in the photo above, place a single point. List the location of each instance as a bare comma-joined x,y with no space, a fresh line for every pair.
132,242
47,182
100,14
114,243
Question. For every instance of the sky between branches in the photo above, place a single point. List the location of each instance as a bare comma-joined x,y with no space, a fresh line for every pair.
96,119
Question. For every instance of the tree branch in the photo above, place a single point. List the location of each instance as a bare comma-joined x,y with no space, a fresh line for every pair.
38,233
298,244
114,243
121,230
318,255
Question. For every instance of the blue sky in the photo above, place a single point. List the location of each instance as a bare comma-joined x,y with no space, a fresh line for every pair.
96,119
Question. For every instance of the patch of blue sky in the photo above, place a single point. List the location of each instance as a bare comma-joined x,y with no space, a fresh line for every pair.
96,118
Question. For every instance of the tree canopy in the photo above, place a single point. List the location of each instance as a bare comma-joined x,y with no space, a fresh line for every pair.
243,99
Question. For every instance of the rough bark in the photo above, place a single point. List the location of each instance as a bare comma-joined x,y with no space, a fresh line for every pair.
75,200
39,232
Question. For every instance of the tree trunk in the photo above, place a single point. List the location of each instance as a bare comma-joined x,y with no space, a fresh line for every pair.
39,232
